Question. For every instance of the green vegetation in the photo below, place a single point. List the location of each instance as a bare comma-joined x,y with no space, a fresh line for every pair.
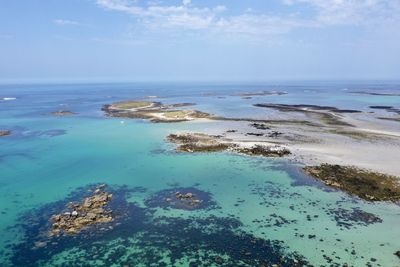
132,104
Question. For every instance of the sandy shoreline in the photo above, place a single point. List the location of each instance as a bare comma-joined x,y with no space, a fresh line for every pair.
365,144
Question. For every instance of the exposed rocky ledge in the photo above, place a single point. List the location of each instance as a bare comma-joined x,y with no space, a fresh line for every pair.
199,142
387,109
303,107
368,185
261,93
62,113
80,215
266,151
153,111
374,93
4,132
326,114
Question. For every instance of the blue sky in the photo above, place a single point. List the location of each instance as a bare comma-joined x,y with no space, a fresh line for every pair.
229,40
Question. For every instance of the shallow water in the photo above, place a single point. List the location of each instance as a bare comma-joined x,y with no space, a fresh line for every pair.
267,200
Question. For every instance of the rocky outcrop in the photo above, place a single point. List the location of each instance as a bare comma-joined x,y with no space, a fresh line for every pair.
5,132
199,142
62,113
370,186
81,215
266,151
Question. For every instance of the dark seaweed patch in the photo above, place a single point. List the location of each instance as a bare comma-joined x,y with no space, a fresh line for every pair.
136,237
37,246
353,217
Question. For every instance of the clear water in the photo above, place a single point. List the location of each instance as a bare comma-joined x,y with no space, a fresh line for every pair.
49,157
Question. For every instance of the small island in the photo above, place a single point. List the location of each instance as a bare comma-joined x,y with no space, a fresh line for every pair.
154,111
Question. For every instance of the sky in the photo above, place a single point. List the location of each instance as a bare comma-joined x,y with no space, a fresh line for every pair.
199,40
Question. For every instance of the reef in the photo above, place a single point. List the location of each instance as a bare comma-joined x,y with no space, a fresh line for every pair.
367,185
181,198
137,237
5,132
153,111
81,215
62,113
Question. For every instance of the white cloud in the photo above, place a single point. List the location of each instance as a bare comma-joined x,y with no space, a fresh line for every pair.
157,16
186,2
352,12
66,22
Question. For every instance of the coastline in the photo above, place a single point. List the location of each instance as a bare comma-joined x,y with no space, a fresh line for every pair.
324,135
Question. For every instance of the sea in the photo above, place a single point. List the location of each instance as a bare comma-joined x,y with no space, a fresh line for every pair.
257,211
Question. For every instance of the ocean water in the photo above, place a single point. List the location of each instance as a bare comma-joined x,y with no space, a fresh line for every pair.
261,210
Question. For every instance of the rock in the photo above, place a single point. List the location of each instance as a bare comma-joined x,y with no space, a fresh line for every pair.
90,211
4,132
397,253
368,185
62,113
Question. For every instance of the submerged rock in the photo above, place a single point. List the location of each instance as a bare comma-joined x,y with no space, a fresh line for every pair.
368,185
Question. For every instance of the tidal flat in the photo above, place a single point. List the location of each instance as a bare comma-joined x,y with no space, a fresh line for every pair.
199,175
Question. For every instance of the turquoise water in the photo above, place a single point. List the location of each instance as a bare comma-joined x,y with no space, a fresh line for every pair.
48,158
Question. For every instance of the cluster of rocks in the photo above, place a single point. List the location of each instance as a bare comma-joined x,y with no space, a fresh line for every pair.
260,126
4,132
81,215
199,142
368,185
62,113
266,151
